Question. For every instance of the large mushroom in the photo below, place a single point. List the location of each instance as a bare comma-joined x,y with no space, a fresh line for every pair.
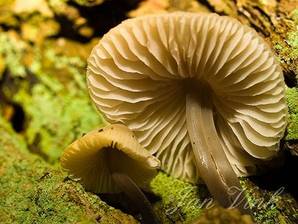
111,160
200,91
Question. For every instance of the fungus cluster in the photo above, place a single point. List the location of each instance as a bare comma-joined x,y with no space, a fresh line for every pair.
202,92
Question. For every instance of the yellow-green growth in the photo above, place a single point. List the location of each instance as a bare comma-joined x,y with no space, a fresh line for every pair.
32,191
180,201
12,51
57,107
292,101
270,207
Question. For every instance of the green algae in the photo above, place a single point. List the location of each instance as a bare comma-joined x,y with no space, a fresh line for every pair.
292,101
34,192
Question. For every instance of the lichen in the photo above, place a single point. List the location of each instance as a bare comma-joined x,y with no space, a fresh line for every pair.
180,201
12,50
292,101
52,90
58,111
294,16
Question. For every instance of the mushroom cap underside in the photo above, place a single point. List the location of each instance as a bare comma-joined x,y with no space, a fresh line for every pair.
139,75
95,156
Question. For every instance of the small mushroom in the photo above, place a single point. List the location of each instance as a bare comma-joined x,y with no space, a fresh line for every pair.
110,160
202,92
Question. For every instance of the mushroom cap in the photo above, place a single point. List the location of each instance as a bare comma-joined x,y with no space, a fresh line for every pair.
140,71
95,156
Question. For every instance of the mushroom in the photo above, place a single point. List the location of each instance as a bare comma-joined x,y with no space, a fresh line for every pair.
200,91
110,160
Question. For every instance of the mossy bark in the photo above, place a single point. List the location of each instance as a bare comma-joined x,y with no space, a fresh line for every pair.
32,191
44,75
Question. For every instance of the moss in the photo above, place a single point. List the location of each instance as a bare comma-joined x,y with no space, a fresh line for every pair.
270,207
17,140
180,201
53,94
292,41
34,192
285,44
183,203
292,101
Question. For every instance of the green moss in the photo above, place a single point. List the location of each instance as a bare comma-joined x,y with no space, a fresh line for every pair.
292,40
180,201
292,101
34,192
285,44
292,129
17,140
270,207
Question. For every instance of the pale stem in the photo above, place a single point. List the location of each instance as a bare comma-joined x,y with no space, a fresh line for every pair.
211,160
136,196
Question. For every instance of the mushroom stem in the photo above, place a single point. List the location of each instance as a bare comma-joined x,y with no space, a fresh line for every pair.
136,196
211,160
